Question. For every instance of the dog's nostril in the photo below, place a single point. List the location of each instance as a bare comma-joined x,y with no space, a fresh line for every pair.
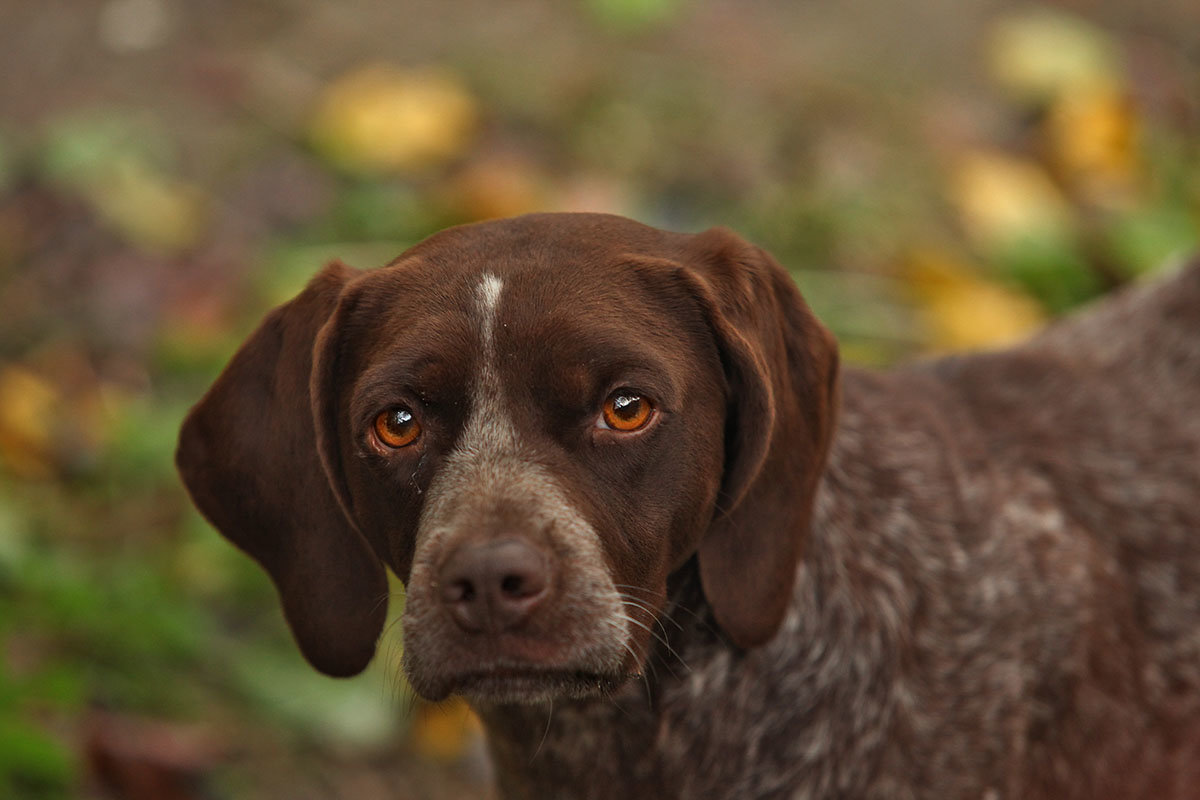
455,592
494,585
518,586
511,585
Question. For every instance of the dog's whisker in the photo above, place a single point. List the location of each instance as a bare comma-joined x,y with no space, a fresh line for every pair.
646,662
647,595
704,623
671,650
661,638
656,615
410,700
382,600
393,679
635,587
389,627
664,614
545,733
647,611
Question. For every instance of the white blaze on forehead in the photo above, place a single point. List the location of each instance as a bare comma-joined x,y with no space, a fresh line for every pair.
487,294
488,425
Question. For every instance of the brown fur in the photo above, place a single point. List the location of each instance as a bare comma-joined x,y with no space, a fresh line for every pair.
977,577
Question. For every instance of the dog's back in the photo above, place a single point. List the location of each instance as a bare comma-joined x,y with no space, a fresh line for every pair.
1105,409
1001,596
1076,465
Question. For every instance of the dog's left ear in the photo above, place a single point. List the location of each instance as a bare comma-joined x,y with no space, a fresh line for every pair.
781,369
250,454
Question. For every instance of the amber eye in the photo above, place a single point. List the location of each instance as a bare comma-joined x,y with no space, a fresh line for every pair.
397,427
626,410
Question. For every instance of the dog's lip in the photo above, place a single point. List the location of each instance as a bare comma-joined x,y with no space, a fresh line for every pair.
528,683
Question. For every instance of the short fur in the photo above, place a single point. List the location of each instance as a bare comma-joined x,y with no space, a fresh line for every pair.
977,577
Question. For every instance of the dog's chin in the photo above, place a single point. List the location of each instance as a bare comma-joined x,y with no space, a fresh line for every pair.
524,685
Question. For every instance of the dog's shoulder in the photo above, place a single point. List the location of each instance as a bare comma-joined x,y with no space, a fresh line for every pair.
1120,375
1139,346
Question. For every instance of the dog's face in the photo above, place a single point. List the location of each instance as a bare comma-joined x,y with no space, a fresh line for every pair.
532,446
533,422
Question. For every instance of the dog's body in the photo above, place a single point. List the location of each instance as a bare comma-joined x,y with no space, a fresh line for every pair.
993,565
1000,597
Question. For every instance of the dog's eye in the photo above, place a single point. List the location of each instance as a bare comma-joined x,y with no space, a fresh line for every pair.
397,427
626,410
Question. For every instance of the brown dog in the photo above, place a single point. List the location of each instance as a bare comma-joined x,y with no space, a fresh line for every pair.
667,549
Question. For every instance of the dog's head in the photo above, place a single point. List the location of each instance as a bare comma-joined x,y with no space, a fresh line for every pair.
533,422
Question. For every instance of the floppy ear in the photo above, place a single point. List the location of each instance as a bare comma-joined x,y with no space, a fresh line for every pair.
248,456
781,368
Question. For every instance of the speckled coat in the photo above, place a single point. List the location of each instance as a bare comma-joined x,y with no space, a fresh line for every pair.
1000,598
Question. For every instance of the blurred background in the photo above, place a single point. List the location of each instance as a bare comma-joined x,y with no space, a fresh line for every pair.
938,174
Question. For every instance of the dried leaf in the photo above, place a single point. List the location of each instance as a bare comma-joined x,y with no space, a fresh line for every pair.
383,119
962,309
1001,199
29,405
151,210
499,186
1040,54
121,167
1092,137
443,731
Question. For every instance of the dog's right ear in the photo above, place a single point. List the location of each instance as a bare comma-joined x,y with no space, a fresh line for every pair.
248,456
781,372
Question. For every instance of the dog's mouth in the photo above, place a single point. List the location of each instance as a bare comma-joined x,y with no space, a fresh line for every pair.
572,641
503,684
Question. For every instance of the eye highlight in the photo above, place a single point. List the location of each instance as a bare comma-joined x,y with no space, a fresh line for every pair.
626,410
396,427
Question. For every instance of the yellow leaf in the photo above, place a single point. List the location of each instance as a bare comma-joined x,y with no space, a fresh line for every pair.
962,309
1093,138
443,731
383,119
1039,54
151,210
29,406
499,186
1001,199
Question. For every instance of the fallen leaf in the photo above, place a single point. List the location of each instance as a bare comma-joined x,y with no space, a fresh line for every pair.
1001,199
497,186
1039,54
121,167
152,210
443,731
964,310
1092,138
384,119
29,406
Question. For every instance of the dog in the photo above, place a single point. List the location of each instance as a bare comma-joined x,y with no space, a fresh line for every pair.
666,547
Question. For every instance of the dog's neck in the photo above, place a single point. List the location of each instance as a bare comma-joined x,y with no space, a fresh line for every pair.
539,749
702,701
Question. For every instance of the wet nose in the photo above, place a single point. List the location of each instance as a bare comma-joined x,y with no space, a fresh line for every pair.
493,586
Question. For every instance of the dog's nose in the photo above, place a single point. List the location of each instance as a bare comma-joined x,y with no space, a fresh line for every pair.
493,586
